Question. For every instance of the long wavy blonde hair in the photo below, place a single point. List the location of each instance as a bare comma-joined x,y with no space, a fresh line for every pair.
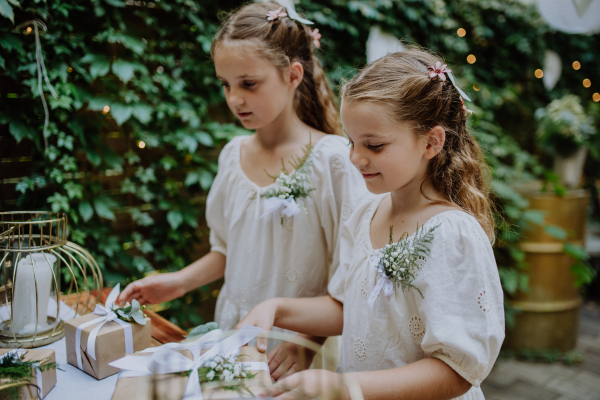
283,41
400,82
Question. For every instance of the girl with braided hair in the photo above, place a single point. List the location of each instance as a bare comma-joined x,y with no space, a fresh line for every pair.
417,296
270,238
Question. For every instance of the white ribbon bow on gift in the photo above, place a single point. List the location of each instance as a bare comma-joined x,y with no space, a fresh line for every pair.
107,315
38,372
166,360
384,283
272,204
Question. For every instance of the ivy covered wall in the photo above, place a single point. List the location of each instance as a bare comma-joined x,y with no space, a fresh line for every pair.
134,136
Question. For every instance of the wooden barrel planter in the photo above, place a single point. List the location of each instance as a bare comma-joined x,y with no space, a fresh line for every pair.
548,317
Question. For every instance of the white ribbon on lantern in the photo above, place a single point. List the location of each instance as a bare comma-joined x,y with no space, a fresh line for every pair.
166,360
384,283
38,372
107,315
289,205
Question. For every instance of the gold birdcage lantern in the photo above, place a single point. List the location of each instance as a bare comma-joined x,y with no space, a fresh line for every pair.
36,260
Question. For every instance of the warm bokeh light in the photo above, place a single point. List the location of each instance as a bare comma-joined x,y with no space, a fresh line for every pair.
106,109
596,97
70,69
461,32
587,83
476,87
471,59
141,144
576,65
28,31
539,73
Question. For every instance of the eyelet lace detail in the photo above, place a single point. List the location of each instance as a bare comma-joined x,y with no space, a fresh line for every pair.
484,302
346,212
249,246
291,275
336,162
362,287
243,295
288,223
416,327
360,350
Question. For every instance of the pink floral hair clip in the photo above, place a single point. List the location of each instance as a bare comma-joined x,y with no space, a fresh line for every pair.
273,15
438,70
441,71
315,36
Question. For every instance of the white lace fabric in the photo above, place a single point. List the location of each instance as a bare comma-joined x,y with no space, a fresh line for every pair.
270,257
460,320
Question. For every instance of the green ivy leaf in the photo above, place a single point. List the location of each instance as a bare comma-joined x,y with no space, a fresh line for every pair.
85,211
121,112
142,112
175,219
58,202
556,232
205,139
99,67
116,3
205,179
7,11
123,69
103,207
20,131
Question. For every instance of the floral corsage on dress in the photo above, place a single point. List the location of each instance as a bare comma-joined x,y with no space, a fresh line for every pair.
399,262
290,186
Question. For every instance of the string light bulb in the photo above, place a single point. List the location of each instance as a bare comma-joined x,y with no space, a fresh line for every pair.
461,32
105,110
141,144
587,83
471,59
539,73
596,97
576,65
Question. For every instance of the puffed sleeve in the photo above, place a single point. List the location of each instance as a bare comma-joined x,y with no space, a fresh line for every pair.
215,203
462,304
340,188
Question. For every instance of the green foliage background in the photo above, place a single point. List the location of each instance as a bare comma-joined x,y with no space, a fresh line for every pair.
140,210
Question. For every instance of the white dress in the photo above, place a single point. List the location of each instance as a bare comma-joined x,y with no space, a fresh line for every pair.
460,320
270,257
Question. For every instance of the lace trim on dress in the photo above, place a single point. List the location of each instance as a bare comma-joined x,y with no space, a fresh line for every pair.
416,327
360,350
336,162
484,301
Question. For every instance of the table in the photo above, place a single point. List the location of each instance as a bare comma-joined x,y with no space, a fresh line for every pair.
74,384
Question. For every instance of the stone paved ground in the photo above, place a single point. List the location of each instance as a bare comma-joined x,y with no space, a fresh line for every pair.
517,380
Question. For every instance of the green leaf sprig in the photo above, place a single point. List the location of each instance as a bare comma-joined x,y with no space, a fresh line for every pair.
400,261
15,369
131,312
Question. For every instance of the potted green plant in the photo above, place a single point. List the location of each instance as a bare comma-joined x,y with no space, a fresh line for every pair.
564,130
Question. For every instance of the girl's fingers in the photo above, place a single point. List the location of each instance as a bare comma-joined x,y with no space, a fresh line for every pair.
280,387
282,368
291,371
272,355
261,341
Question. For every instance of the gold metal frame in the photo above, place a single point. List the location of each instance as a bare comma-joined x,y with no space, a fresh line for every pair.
25,233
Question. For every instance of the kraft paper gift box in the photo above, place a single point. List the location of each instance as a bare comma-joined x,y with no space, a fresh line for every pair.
44,380
172,386
109,346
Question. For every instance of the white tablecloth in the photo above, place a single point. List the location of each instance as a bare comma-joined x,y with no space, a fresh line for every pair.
74,384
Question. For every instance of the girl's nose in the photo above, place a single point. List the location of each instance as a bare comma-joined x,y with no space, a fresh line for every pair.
357,159
235,99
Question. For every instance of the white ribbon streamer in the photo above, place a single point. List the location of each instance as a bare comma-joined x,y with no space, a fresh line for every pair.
38,372
165,360
384,283
289,205
463,94
107,315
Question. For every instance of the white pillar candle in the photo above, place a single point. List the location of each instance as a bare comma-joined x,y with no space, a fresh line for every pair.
24,301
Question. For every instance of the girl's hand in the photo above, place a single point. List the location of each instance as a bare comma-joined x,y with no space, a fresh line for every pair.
283,360
262,316
309,384
153,289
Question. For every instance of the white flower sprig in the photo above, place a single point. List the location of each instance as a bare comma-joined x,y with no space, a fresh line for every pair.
291,186
399,262
226,369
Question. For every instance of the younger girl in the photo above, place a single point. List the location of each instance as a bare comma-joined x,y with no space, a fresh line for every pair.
275,85
421,318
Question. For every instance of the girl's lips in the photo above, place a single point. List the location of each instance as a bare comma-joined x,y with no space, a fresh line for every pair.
244,114
370,176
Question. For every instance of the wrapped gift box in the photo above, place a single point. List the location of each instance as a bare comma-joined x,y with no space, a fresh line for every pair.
48,377
172,386
109,346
